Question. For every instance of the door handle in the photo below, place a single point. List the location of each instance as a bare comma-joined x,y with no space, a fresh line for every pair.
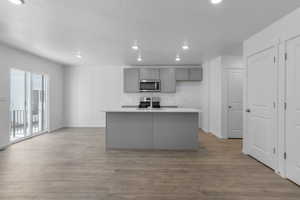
248,110
229,107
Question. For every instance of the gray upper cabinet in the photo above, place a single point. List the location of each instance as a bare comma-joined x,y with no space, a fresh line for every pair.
131,80
149,73
167,78
196,74
182,74
189,74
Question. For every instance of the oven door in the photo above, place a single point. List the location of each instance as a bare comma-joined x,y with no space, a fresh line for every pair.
149,86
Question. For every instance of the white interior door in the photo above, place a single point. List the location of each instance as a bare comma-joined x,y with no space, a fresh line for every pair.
261,104
235,103
293,110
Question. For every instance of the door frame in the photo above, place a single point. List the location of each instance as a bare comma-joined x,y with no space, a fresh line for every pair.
47,130
246,141
282,160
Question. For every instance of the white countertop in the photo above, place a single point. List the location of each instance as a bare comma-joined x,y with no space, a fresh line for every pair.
155,110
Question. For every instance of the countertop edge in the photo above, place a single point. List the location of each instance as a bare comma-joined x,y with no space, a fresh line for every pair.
164,110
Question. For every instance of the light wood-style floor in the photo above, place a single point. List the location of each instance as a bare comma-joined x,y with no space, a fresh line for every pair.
73,164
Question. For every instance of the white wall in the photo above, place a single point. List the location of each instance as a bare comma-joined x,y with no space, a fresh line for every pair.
215,97
215,103
12,58
88,90
92,89
205,91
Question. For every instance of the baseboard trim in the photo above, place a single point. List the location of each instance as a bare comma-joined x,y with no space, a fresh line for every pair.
55,129
28,137
3,147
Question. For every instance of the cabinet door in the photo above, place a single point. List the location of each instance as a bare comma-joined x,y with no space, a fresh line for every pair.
168,82
182,74
129,130
195,74
175,131
131,80
147,73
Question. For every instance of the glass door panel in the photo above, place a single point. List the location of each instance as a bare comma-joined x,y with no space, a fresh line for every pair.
28,109
18,104
38,103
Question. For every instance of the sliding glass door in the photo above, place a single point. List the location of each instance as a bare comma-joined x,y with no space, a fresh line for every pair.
18,104
38,103
28,109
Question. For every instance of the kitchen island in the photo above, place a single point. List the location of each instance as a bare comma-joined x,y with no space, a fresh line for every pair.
162,129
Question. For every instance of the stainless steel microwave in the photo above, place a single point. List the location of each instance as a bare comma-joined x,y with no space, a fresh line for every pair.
149,85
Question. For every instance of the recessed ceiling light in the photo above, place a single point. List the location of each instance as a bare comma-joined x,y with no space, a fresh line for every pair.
135,46
78,55
216,1
185,47
177,58
139,59
17,2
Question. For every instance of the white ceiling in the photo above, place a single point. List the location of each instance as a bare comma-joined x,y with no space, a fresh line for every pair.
104,30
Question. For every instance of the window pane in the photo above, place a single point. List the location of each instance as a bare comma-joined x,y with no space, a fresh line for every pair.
38,103
18,110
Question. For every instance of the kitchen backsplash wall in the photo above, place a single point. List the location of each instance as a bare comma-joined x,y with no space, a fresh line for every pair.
90,90
185,96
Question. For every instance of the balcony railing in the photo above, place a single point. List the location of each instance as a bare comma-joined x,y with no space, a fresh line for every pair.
19,123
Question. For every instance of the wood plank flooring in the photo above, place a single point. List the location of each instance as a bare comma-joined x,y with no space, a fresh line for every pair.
73,164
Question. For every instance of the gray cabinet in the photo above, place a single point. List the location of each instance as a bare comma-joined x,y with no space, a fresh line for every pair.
189,74
149,73
129,131
131,80
195,74
167,78
147,130
182,74
175,130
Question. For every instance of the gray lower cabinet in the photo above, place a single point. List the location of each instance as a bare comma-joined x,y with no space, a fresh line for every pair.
196,74
147,130
149,73
168,82
131,80
175,131
182,74
129,131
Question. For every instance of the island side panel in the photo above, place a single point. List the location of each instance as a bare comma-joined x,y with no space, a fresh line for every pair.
129,130
177,131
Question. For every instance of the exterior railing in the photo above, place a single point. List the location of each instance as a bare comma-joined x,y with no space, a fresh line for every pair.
19,123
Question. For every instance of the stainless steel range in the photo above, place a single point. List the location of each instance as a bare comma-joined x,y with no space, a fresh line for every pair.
149,102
